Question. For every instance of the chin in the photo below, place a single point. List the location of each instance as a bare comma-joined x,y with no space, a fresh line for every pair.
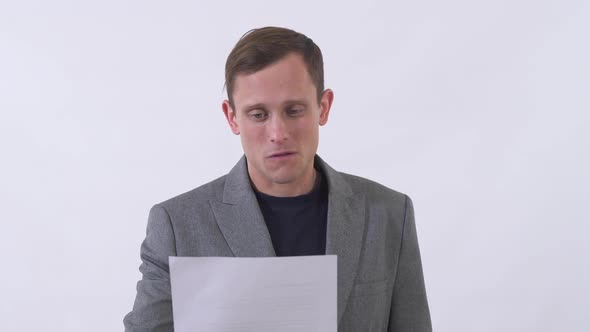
283,178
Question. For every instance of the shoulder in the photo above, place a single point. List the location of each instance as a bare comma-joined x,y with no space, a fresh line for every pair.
384,206
371,190
212,190
374,192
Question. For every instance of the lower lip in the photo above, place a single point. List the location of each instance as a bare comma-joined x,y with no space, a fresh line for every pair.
281,157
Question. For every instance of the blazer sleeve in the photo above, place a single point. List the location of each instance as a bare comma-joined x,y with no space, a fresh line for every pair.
409,305
152,310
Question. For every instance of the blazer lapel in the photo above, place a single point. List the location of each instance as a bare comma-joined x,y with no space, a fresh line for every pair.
239,218
346,225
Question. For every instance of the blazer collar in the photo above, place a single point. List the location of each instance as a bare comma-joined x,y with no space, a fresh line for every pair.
239,217
242,224
237,183
345,229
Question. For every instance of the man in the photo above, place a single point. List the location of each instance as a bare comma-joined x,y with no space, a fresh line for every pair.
282,199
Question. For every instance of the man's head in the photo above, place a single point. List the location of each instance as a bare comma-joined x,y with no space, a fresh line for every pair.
259,48
276,103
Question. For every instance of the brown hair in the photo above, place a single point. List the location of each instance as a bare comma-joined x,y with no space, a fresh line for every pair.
261,47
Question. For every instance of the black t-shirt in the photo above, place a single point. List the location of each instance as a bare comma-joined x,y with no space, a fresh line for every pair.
297,225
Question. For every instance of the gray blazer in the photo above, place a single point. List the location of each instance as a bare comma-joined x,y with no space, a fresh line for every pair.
370,228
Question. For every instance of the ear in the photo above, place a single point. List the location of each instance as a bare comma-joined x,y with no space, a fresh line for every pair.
230,116
325,105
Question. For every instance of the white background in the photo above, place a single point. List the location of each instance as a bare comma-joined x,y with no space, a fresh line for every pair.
476,109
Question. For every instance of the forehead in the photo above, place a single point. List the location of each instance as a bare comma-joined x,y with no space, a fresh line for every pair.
285,79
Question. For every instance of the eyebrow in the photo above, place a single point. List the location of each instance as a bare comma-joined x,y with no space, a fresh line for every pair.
254,106
286,102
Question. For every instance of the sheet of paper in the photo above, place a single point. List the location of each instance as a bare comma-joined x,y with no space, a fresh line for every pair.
238,294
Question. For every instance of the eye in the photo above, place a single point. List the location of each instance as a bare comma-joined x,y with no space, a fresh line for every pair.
257,115
295,111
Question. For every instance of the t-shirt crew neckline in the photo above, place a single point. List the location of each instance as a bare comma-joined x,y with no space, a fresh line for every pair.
294,199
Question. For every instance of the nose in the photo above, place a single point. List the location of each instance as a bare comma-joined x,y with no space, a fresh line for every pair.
277,129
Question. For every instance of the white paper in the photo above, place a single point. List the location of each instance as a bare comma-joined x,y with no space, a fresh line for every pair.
229,294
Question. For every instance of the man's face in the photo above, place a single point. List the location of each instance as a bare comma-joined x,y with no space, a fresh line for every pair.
277,117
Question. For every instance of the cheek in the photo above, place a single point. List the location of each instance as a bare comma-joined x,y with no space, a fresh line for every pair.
307,131
252,137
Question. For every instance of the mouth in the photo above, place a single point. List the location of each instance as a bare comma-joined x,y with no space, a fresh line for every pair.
283,154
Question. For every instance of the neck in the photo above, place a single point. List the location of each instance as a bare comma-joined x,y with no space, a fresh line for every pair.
296,188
